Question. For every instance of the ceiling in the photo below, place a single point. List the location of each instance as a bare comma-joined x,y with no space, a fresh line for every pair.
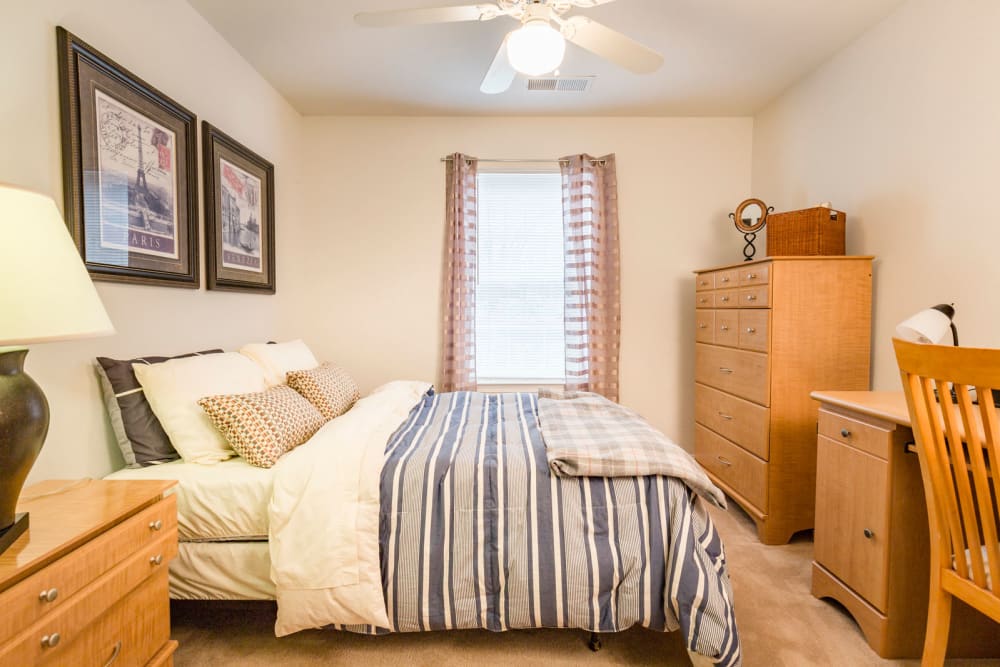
722,57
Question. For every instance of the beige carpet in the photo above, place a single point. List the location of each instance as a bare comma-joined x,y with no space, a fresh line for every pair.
780,625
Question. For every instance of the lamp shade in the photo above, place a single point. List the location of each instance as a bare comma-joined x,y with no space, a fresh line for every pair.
931,326
46,293
535,48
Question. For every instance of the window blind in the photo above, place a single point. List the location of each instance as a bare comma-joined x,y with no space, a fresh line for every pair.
519,292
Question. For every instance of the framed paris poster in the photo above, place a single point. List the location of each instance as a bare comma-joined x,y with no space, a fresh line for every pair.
129,171
239,215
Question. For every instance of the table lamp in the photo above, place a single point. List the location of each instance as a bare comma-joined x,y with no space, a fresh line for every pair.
45,295
929,326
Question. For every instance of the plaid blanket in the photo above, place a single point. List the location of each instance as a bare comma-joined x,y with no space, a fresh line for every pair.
586,435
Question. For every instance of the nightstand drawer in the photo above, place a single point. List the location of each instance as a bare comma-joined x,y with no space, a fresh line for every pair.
743,472
23,603
738,372
704,281
704,326
727,278
754,297
131,632
851,536
743,422
861,435
704,300
755,330
70,622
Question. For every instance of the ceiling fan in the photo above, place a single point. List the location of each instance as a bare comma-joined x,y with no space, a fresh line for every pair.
536,47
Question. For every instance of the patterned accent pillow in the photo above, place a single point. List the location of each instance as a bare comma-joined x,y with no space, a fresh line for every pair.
328,387
262,426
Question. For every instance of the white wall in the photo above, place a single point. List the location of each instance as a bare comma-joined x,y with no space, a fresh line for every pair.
169,45
376,187
902,131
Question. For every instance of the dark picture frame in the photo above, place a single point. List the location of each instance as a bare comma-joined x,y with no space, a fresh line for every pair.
130,172
239,215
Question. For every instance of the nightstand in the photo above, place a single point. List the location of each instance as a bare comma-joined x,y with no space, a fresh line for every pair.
872,552
87,584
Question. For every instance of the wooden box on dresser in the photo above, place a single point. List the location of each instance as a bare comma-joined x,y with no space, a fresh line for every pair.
767,333
87,584
872,549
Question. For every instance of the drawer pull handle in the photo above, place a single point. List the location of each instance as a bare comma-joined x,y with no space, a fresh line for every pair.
702,300
751,297
724,299
49,595
703,282
724,461
751,330
727,371
156,560
869,534
725,279
51,641
751,276
114,654
724,327
725,416
702,326
155,525
845,433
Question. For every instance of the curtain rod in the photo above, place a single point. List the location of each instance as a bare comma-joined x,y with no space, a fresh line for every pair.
529,160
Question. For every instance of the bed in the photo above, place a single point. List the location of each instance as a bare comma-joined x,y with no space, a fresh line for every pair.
418,511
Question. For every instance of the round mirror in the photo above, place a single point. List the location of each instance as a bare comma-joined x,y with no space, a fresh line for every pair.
750,215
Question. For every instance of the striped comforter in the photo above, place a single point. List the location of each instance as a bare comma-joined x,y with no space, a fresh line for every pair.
476,533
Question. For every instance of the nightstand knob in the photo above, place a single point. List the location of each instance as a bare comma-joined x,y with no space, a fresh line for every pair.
156,560
724,327
725,279
155,525
702,326
845,433
869,534
725,299
751,297
751,276
751,330
51,641
49,595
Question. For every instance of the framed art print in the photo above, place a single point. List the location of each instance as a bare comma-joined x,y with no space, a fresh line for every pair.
129,171
239,215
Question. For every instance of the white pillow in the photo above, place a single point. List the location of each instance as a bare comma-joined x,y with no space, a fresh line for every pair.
174,387
279,359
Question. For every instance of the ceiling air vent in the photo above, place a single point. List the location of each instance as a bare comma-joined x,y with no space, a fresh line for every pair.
562,84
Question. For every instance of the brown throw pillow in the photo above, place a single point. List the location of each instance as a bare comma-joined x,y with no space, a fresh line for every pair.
328,387
261,426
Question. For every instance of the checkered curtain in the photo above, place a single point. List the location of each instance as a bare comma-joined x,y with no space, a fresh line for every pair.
592,312
458,369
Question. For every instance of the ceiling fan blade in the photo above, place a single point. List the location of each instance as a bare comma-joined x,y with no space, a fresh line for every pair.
611,45
429,15
501,74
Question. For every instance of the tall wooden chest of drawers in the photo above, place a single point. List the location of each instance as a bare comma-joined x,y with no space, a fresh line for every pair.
768,333
87,584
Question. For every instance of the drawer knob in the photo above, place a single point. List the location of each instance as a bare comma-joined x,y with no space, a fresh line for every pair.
751,276
724,461
869,534
724,327
703,282
49,595
727,371
702,300
51,641
725,416
725,279
845,433
156,560
702,326
751,297
155,525
724,299
751,330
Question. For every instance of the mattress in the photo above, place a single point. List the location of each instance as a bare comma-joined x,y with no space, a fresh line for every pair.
221,502
221,571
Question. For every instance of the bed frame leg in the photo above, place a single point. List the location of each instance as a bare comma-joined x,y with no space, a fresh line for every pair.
595,642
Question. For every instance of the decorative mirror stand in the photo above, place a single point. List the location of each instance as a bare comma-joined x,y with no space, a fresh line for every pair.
750,217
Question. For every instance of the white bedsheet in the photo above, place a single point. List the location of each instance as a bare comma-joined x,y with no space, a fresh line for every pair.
221,571
324,516
220,502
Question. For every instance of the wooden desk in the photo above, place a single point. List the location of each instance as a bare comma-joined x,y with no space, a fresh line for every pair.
871,539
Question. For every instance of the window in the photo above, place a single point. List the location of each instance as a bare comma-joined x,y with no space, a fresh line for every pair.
519,293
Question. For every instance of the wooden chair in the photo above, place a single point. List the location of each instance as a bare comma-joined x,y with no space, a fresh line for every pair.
958,444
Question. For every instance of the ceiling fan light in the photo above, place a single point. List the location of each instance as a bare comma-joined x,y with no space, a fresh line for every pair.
535,48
